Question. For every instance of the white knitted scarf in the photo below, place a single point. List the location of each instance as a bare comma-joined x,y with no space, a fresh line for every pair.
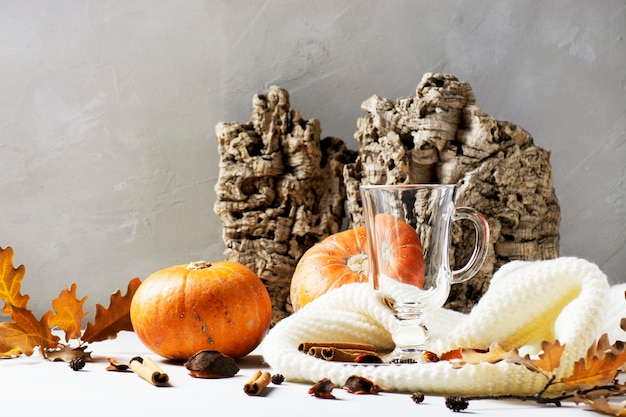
567,299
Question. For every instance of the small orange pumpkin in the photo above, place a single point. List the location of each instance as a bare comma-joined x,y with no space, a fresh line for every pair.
181,310
401,250
342,259
339,259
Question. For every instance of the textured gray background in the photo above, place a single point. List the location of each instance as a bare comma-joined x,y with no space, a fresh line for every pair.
108,156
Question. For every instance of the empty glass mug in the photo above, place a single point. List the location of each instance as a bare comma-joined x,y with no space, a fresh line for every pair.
408,244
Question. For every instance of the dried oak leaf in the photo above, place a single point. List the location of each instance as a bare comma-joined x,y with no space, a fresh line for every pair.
66,353
452,355
495,354
69,313
11,281
25,333
600,366
603,405
549,358
8,334
110,321
115,365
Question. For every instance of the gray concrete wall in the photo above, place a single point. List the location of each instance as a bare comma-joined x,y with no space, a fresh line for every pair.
108,155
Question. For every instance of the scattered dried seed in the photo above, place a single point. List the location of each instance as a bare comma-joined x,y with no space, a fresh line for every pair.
278,379
456,403
417,397
77,363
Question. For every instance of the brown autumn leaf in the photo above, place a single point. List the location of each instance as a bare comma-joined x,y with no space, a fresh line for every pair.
550,357
66,353
69,313
603,405
495,354
10,332
109,321
25,333
452,355
548,360
115,365
11,281
600,366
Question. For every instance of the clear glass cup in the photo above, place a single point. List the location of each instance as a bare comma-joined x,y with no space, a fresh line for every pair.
408,244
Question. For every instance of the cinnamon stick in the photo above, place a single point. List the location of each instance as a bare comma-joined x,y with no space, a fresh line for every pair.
149,370
257,383
338,355
305,346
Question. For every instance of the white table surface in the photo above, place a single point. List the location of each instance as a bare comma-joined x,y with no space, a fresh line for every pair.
34,386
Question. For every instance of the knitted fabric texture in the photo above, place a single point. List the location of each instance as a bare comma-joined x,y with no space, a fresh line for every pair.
564,299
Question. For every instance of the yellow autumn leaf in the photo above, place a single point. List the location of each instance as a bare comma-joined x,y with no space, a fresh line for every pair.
550,357
11,338
11,281
495,354
68,313
25,333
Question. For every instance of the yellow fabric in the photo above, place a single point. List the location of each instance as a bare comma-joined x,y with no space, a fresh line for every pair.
542,327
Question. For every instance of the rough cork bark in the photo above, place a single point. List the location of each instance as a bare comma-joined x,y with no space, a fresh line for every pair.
280,190
441,136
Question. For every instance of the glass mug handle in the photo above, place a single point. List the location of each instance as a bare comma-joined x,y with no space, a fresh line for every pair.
480,247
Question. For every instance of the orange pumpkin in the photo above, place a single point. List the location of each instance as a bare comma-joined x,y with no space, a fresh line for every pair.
401,250
179,311
342,259
339,259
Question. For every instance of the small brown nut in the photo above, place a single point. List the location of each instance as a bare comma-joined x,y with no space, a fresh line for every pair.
211,364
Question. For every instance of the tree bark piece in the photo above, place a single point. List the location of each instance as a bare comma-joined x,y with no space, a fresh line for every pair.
280,190
441,136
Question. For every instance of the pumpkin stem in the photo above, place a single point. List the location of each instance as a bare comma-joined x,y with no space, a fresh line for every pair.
358,263
198,265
